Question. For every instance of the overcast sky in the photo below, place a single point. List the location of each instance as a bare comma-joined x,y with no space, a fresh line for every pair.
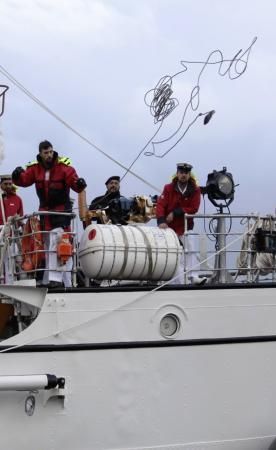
91,62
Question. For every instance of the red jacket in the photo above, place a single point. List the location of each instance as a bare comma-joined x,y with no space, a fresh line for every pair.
12,205
172,200
52,188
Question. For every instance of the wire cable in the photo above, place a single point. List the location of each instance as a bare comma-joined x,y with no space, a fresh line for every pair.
72,129
163,104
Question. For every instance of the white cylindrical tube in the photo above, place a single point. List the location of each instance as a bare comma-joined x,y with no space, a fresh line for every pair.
27,382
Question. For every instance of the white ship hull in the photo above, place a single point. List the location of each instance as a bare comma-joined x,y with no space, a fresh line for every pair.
127,387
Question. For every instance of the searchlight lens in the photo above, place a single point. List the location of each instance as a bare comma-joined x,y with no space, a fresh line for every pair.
225,185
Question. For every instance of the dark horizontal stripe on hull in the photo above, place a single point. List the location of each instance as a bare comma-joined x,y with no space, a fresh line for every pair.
139,344
177,287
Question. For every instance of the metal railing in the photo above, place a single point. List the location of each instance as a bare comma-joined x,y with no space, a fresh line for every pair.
12,256
229,253
224,250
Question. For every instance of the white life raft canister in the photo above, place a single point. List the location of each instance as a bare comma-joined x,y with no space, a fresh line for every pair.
127,252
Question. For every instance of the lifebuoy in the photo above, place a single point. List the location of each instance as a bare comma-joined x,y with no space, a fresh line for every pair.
32,245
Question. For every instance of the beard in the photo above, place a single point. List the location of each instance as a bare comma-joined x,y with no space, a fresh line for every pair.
48,163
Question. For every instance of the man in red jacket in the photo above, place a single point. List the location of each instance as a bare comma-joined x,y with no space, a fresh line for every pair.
53,177
10,205
180,197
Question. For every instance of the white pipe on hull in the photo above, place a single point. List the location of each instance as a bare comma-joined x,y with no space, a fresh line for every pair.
29,382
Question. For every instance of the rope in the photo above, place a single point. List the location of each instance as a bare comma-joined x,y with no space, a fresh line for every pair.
71,128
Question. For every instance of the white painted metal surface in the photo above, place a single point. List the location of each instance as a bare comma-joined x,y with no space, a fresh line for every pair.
130,253
128,391
23,382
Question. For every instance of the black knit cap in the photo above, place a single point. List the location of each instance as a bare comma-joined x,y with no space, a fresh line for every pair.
116,178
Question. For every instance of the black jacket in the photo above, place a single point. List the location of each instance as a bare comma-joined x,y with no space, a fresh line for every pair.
103,201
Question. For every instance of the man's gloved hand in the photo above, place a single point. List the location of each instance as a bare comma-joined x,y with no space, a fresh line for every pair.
16,173
81,183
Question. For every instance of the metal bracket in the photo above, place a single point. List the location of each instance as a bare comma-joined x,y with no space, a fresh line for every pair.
3,90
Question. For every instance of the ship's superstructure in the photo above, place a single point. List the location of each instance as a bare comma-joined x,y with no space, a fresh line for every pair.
133,362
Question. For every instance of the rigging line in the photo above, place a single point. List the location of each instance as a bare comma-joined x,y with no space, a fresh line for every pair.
141,151
177,142
162,104
69,127
131,302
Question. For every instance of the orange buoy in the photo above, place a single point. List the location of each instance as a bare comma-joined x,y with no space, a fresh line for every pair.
64,248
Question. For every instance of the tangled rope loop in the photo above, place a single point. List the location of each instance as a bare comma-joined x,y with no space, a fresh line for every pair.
161,104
